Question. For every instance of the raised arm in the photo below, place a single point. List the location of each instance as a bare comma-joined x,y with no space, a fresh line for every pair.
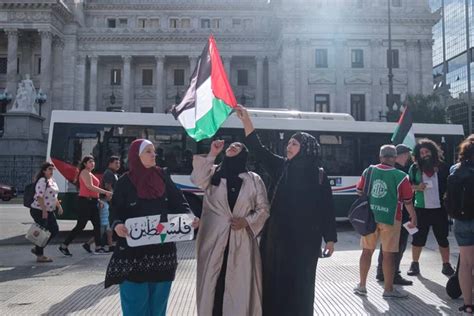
271,162
203,165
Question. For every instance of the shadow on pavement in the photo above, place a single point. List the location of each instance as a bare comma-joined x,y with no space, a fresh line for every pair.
81,299
59,238
26,272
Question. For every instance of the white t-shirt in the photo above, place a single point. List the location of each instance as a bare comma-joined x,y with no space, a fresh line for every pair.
49,194
431,193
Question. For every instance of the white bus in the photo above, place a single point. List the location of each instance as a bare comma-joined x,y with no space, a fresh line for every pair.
347,146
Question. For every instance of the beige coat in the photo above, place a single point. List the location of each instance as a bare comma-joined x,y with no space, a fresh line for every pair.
243,281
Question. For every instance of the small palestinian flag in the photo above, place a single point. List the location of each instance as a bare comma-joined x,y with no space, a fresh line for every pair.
209,99
403,133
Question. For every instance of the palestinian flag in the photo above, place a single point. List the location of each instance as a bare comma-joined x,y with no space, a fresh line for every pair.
209,99
403,133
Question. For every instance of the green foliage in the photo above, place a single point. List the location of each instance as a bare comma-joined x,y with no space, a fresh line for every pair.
424,109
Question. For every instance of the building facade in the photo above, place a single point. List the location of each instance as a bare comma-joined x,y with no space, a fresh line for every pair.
452,57
138,55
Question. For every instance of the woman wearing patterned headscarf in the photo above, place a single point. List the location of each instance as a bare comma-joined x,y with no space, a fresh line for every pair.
235,208
301,215
143,273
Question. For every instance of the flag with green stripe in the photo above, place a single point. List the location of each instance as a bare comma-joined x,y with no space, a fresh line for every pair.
403,133
209,99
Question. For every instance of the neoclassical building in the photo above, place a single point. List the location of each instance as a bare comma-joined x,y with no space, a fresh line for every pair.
138,55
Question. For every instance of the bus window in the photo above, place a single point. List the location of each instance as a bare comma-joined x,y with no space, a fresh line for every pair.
338,154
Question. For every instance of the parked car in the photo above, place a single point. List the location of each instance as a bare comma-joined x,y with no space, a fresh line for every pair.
7,192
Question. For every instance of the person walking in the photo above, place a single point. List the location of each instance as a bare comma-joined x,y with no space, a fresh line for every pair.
87,206
235,209
109,178
301,215
144,273
428,176
402,162
388,189
44,205
460,203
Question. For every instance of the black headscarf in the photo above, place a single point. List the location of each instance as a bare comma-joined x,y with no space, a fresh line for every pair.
309,146
231,167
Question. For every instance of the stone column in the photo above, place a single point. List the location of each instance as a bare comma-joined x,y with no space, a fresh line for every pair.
226,60
80,83
57,82
12,60
339,105
126,83
160,84
412,67
304,74
259,86
273,83
93,83
288,74
426,53
46,72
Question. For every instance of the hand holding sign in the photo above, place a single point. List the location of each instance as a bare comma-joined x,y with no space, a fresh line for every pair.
149,230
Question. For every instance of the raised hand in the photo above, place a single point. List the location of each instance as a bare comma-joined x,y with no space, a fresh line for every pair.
216,147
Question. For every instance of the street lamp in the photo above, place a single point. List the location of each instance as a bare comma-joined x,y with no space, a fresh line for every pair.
243,99
390,57
177,98
112,98
41,98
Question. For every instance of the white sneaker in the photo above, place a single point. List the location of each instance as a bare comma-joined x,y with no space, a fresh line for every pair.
360,290
395,294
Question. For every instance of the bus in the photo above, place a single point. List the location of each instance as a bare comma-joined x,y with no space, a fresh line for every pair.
347,146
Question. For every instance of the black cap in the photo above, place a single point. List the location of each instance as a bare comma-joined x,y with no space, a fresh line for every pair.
401,149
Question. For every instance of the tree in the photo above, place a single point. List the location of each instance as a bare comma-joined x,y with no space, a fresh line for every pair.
424,109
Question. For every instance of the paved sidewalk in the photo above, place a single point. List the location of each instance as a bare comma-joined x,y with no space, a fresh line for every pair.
74,286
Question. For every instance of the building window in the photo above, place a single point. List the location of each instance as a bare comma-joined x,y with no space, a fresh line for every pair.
142,23
123,22
358,106
205,23
321,58
174,23
216,23
321,103
111,23
147,77
242,77
3,65
357,58
179,77
236,22
146,109
396,3
185,23
38,69
116,77
395,62
397,99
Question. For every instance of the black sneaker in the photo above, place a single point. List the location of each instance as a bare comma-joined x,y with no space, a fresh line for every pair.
87,247
65,251
447,269
100,251
399,280
111,249
379,277
414,269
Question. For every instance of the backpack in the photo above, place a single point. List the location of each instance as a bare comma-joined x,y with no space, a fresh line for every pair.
453,289
360,215
460,190
29,193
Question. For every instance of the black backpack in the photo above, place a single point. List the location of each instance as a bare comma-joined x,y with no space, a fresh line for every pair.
459,200
29,193
360,215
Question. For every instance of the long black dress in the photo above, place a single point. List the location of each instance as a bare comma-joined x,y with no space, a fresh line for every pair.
301,214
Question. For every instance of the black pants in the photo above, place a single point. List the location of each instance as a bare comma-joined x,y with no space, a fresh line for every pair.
87,210
402,246
50,224
437,219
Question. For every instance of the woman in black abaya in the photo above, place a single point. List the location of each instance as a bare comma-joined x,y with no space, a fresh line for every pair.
301,215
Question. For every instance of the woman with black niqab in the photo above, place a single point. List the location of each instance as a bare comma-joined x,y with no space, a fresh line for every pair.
301,215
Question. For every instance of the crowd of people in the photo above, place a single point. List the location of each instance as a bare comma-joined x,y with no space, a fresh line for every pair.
257,251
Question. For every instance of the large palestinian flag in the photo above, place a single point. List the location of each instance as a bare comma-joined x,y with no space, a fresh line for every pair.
209,99
403,133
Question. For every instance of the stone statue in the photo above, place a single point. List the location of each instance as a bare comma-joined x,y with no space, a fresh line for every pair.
25,97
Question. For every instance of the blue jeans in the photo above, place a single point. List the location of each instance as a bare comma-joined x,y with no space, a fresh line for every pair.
144,299
464,232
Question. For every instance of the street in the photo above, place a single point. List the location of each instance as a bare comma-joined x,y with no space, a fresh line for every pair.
74,286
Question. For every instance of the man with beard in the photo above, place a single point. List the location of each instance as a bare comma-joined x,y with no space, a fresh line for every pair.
428,176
